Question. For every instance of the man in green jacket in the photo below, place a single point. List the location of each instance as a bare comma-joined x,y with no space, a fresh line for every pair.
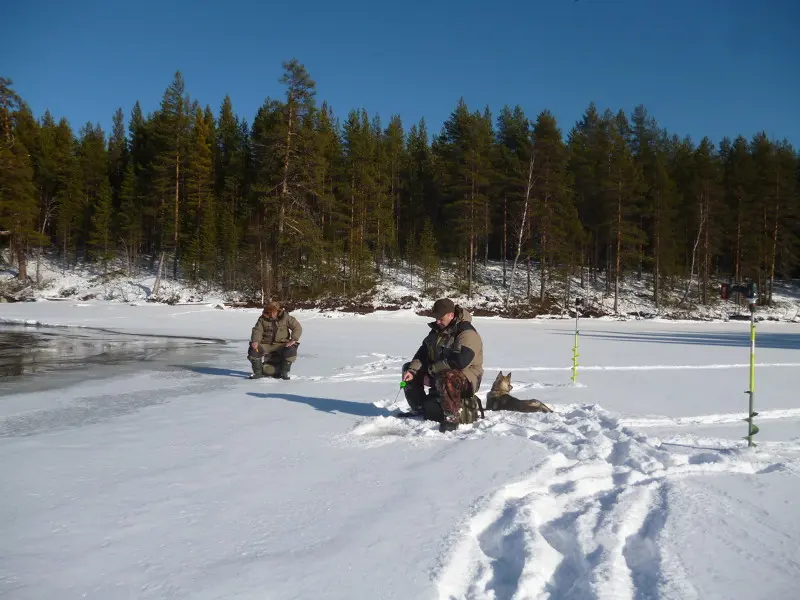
450,360
273,343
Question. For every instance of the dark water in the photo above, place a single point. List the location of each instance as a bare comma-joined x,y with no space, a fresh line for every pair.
35,358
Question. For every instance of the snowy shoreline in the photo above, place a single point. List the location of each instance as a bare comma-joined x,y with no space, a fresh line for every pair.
396,291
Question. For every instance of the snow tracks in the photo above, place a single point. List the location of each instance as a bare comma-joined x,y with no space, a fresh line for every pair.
588,521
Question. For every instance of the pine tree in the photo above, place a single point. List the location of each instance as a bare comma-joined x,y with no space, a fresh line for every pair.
589,148
515,183
27,133
651,153
428,258
464,149
488,159
230,164
395,153
418,199
117,155
300,93
129,218
552,196
144,193
200,237
359,186
739,178
328,256
100,232
382,220
787,233
622,200
172,124
39,139
707,195
96,207
71,201
774,192
283,175
18,207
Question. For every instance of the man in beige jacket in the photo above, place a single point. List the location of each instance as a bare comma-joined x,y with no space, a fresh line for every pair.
273,343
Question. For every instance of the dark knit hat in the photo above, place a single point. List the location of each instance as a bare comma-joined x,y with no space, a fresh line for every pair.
441,307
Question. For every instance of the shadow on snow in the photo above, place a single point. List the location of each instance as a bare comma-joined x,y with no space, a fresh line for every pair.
330,405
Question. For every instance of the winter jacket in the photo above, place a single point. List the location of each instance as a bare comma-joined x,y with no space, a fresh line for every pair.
278,331
457,346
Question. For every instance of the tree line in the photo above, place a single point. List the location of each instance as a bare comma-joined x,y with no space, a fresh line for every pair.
298,204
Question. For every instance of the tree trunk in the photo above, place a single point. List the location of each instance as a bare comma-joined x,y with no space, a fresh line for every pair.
470,262
157,284
737,259
504,252
528,187
470,258
694,252
581,266
774,243
486,234
619,248
176,219
528,271
545,224
276,262
657,252
19,250
706,249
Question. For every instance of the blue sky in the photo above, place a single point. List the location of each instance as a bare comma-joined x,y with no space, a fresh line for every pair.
700,67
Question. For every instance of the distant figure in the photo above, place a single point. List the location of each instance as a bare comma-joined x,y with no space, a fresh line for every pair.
273,343
450,360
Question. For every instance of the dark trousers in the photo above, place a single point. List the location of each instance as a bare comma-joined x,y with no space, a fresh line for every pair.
271,359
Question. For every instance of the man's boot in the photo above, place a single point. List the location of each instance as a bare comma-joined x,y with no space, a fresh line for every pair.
449,423
286,366
258,367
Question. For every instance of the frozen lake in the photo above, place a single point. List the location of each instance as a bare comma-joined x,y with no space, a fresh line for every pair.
41,357
170,475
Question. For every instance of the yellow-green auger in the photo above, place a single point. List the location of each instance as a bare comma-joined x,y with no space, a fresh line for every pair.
751,427
575,354
749,291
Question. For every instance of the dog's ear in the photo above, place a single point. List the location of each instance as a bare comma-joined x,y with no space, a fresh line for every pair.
499,377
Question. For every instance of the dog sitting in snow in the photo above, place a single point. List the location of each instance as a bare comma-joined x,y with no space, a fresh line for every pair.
499,398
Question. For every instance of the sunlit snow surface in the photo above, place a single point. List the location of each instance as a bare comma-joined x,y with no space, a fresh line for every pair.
186,480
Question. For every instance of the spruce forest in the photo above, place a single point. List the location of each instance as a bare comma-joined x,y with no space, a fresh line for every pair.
300,204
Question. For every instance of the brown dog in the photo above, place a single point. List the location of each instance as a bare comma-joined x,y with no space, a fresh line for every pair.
499,398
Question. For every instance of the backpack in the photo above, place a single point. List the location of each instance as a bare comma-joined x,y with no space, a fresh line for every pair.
471,408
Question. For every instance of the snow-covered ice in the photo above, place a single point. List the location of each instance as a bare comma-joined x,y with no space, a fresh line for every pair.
194,482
